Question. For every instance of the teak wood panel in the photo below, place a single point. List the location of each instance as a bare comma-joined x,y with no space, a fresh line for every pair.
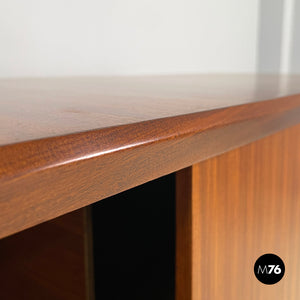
50,261
69,142
233,208
43,179
35,108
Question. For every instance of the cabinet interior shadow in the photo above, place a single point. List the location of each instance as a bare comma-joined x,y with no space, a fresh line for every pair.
134,242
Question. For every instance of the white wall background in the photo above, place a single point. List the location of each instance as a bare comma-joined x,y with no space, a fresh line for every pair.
278,44
109,37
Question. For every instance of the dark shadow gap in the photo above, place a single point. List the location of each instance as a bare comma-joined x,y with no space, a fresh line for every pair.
134,243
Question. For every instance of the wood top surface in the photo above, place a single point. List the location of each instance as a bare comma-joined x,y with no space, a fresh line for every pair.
41,108
67,143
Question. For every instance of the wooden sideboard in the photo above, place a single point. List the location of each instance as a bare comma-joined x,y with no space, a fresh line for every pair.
198,176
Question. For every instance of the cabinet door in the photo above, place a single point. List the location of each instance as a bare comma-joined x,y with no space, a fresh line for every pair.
233,208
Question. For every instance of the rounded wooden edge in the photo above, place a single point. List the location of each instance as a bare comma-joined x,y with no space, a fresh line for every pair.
99,163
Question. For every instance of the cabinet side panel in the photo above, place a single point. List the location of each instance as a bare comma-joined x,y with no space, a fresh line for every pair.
47,261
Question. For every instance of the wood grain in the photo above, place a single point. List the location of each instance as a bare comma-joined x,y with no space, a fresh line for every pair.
233,208
41,179
47,107
46,262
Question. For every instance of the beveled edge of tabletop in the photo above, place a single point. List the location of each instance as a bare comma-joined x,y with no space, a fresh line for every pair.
45,178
